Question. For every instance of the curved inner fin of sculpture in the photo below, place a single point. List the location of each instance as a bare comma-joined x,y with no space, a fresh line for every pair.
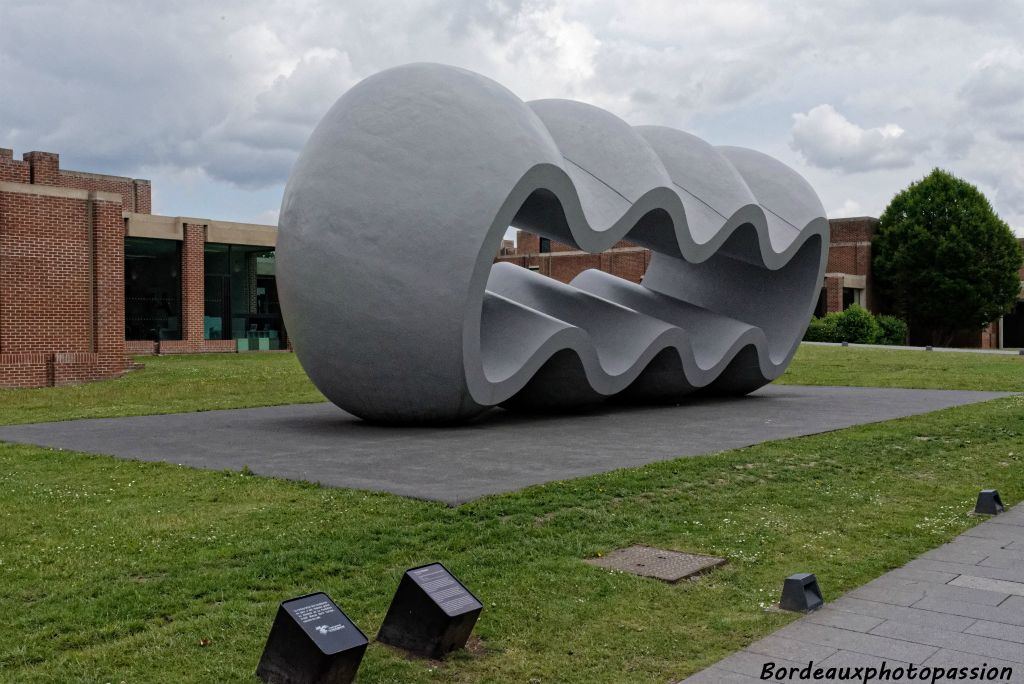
704,314
422,327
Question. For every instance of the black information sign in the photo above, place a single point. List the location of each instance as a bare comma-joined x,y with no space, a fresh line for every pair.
432,613
311,641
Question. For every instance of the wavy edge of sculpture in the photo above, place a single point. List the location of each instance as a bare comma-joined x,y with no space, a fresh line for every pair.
398,204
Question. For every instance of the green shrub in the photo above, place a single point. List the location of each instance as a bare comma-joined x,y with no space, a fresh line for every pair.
892,330
821,330
856,325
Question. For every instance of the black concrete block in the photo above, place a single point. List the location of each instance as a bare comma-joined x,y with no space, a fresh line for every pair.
801,593
989,502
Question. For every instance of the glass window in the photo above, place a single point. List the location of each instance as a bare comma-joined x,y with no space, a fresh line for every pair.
152,289
545,245
851,296
241,296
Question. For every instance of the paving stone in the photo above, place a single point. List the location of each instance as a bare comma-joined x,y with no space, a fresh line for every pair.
997,630
1003,559
1012,574
751,664
958,606
790,649
792,671
968,543
959,641
993,586
1015,604
1001,533
1015,516
716,675
903,591
923,575
1007,519
947,658
898,595
870,644
844,620
914,616
1004,613
852,659
970,594
954,553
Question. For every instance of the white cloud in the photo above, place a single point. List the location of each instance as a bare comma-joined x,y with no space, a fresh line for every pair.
228,92
849,208
992,97
828,139
268,217
996,80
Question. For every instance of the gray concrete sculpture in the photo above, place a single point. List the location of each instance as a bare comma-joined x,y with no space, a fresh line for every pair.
397,206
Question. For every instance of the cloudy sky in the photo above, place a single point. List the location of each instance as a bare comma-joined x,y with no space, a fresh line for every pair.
213,100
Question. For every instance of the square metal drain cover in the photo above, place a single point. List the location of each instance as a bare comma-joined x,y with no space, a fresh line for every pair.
646,561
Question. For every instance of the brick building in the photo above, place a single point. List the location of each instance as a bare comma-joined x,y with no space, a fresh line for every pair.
88,276
847,274
848,281
564,262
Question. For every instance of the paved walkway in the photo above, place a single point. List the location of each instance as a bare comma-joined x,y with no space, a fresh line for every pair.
960,605
502,452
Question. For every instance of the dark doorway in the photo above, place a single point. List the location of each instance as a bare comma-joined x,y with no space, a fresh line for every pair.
1013,327
821,308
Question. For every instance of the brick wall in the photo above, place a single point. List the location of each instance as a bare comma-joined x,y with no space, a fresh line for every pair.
193,274
528,243
43,168
11,169
834,293
629,263
135,193
850,246
61,283
1021,271
564,262
62,270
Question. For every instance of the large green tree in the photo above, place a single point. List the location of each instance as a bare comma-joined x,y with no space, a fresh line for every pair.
944,259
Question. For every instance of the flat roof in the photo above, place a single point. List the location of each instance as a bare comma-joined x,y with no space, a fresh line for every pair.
173,228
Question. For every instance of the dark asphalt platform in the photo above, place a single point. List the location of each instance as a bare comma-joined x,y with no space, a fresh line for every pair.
500,453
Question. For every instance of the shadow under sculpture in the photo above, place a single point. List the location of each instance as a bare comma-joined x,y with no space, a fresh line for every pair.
399,201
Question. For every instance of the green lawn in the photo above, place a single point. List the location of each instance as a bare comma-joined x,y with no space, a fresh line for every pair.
169,384
120,571
819,365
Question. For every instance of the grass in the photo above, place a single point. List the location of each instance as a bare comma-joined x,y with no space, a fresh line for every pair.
169,384
816,365
120,571
172,384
